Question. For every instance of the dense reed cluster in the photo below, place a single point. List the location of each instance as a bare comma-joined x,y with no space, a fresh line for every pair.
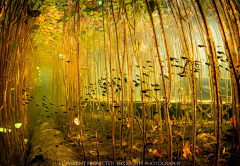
161,67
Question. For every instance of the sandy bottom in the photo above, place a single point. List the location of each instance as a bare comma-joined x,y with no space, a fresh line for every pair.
53,145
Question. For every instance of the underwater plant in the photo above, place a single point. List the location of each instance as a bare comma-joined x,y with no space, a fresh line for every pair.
147,80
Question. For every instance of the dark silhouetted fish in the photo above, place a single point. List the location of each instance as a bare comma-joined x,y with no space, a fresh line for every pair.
208,64
184,57
156,89
172,58
220,52
201,46
116,106
179,66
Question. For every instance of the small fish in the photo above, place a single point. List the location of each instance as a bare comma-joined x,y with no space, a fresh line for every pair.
179,66
62,105
201,46
85,68
136,66
149,62
220,52
156,89
116,106
51,104
219,56
37,105
136,84
227,69
147,96
145,74
144,91
197,62
208,64
196,70
148,89
166,76
172,58
184,57
48,116
44,96
182,75
223,60
67,61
